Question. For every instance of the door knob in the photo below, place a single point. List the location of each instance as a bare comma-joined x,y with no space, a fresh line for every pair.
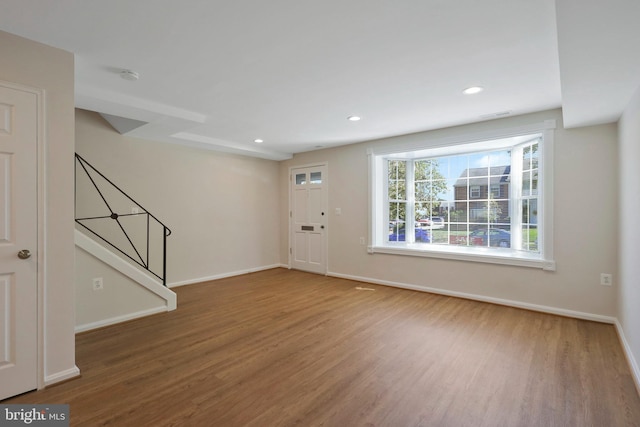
24,254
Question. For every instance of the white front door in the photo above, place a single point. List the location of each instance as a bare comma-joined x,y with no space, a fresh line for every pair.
18,241
309,218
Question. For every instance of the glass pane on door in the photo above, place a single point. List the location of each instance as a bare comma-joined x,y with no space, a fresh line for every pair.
316,178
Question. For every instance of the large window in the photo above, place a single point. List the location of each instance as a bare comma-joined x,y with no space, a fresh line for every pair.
481,201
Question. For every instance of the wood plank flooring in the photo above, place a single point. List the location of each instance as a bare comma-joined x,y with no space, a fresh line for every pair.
287,348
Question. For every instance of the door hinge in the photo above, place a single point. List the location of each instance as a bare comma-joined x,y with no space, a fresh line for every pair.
290,251
290,214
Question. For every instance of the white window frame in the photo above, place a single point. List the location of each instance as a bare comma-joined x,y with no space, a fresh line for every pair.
411,146
475,191
495,191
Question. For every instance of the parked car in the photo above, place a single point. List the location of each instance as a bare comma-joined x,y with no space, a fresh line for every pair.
423,223
397,234
495,237
437,222
433,223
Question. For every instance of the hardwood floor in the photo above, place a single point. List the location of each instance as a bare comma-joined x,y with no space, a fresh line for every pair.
284,348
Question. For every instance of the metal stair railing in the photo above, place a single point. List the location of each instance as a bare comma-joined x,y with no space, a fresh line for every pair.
108,211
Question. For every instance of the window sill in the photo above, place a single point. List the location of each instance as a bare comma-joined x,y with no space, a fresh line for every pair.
485,255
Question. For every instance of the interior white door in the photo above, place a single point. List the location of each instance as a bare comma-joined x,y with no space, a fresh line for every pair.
309,219
18,241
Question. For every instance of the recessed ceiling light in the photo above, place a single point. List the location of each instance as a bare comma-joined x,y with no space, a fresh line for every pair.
129,75
258,141
353,118
473,90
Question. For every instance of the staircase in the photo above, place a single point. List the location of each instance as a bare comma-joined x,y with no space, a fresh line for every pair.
121,234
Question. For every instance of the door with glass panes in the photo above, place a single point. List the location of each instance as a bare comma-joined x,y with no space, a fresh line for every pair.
309,219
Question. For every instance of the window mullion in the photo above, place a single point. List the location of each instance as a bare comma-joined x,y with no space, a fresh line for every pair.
410,234
385,193
515,189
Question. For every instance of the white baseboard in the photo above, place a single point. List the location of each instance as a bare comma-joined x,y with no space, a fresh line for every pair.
119,319
224,275
633,364
61,376
500,301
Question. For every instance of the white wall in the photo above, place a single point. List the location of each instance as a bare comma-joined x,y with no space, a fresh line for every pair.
628,282
222,208
36,65
585,225
120,299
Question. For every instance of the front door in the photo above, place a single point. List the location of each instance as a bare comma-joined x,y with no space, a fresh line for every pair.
309,219
18,241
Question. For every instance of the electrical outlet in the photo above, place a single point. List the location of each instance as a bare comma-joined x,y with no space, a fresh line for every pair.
606,279
362,240
98,284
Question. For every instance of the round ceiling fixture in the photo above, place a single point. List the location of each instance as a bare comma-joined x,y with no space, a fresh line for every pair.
258,141
353,118
473,90
129,75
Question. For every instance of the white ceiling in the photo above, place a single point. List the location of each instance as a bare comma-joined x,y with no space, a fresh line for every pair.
219,74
